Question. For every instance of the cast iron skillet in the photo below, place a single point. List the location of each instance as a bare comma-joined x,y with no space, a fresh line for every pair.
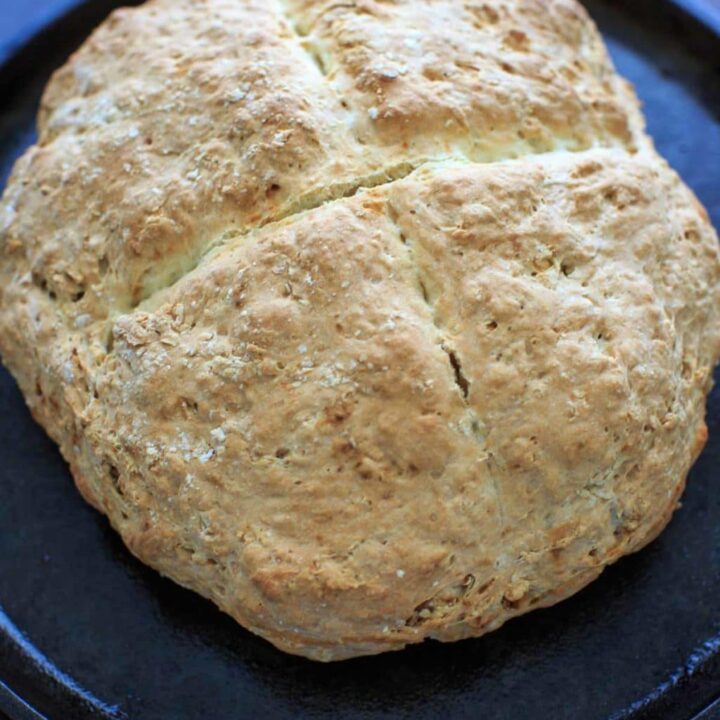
88,632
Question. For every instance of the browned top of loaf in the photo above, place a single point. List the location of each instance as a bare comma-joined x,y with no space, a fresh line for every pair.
185,123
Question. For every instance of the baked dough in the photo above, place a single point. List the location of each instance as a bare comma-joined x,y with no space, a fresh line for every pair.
370,321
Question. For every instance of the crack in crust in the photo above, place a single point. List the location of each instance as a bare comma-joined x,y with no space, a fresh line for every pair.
444,341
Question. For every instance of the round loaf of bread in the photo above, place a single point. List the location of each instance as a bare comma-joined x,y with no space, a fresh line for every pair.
371,321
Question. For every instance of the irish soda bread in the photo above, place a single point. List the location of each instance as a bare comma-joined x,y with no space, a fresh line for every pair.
371,321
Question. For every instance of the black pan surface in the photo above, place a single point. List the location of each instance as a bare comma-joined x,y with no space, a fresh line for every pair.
88,632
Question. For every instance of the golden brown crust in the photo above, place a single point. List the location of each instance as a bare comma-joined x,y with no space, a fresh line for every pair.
412,411
495,80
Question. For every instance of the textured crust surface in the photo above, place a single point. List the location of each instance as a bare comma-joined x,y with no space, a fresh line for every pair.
370,321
